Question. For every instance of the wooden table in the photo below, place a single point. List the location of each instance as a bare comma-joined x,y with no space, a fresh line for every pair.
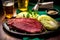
4,36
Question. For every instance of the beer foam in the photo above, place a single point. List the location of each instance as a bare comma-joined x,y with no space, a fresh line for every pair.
10,4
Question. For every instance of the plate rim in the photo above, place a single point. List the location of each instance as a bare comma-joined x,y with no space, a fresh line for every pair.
24,34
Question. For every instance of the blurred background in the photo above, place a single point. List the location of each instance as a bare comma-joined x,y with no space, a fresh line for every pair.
56,2
35,1
1,9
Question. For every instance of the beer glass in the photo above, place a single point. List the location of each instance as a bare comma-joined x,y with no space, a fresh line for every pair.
8,7
23,5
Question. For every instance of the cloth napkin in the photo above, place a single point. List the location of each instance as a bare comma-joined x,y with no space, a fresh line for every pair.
27,38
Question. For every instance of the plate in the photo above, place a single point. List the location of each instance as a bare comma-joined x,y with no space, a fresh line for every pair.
6,27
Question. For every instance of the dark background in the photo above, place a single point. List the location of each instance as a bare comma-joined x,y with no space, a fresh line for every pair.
56,2
1,9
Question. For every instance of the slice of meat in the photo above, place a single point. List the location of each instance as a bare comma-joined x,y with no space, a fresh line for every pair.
26,24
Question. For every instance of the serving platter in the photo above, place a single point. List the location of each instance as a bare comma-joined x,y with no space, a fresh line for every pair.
42,34
7,29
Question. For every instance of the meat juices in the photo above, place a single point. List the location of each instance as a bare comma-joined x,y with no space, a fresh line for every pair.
25,24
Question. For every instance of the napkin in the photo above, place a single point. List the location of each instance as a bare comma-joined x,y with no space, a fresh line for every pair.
27,38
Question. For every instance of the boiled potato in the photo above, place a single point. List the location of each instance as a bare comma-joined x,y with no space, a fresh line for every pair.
27,15
22,15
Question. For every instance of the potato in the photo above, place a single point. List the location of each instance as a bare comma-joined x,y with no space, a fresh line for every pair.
27,15
22,15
